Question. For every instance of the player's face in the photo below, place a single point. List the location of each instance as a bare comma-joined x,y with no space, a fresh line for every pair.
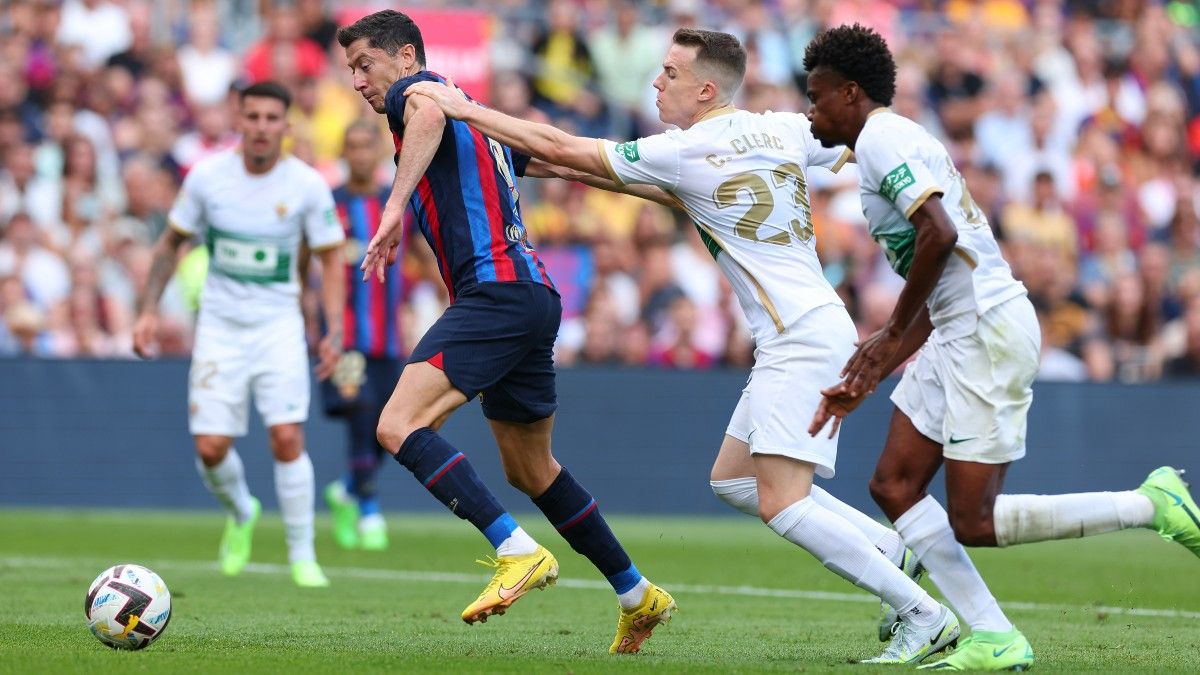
678,87
263,123
362,154
827,106
375,71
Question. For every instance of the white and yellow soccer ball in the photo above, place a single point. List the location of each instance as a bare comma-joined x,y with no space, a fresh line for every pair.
127,607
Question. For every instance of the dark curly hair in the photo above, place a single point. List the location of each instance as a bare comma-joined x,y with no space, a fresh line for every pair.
858,54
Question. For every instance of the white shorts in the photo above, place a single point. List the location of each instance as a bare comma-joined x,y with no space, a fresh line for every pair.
231,360
785,385
972,394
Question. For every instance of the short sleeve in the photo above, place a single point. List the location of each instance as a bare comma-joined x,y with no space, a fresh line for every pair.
653,160
322,229
187,213
520,162
896,171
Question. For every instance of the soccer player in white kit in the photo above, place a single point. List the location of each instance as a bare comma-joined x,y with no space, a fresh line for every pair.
255,208
741,177
964,401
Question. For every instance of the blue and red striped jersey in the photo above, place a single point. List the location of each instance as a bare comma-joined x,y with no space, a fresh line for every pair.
370,318
467,205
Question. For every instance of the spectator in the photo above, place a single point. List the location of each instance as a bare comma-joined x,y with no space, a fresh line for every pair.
100,28
208,69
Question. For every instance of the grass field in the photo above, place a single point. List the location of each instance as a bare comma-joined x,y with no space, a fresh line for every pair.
749,601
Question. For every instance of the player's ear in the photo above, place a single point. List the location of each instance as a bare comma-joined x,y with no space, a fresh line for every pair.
408,55
708,91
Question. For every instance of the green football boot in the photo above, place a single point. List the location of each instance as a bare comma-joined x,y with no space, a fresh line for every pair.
308,574
1176,517
235,542
372,533
983,650
343,508
889,620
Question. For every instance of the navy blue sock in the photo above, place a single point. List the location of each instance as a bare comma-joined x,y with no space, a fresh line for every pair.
574,514
447,474
364,455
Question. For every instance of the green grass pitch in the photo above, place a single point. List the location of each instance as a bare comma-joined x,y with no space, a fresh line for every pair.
749,601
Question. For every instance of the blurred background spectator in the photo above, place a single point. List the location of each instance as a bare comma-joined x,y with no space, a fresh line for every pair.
1076,126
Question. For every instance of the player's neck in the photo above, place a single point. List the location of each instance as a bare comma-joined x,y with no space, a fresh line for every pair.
707,112
871,108
361,186
259,165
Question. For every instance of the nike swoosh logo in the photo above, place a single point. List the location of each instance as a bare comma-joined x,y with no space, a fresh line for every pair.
933,640
511,592
997,653
956,441
1172,495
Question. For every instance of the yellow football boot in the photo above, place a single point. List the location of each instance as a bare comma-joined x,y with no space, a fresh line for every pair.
634,625
515,576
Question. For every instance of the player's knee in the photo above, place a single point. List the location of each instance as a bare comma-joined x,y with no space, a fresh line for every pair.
882,490
287,441
972,529
391,433
212,449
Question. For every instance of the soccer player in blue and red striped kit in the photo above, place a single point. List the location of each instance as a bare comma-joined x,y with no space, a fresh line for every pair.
496,339
371,351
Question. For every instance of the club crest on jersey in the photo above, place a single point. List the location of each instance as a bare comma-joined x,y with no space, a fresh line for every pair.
629,150
896,181
281,210
518,234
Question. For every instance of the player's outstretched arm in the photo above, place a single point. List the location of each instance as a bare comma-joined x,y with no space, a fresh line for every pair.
936,237
333,297
166,255
540,169
423,126
531,138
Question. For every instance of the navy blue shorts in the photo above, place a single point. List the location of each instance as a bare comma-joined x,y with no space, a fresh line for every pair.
497,341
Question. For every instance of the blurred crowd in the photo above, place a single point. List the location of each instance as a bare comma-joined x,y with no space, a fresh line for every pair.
1075,123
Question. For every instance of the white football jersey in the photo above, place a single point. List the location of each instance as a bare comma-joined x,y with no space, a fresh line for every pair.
252,226
741,177
900,165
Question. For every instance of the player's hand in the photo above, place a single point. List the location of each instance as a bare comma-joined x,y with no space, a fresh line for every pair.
145,334
385,245
836,403
448,97
864,370
329,351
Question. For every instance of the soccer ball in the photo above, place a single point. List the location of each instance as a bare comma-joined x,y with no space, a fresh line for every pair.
127,607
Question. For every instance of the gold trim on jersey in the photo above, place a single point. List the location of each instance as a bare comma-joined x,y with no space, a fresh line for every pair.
607,164
847,156
929,192
171,223
678,202
966,256
878,111
762,292
717,112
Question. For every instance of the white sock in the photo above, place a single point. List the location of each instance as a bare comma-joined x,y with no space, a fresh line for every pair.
740,493
1020,519
926,529
375,520
847,552
517,543
633,597
227,482
295,487
881,536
